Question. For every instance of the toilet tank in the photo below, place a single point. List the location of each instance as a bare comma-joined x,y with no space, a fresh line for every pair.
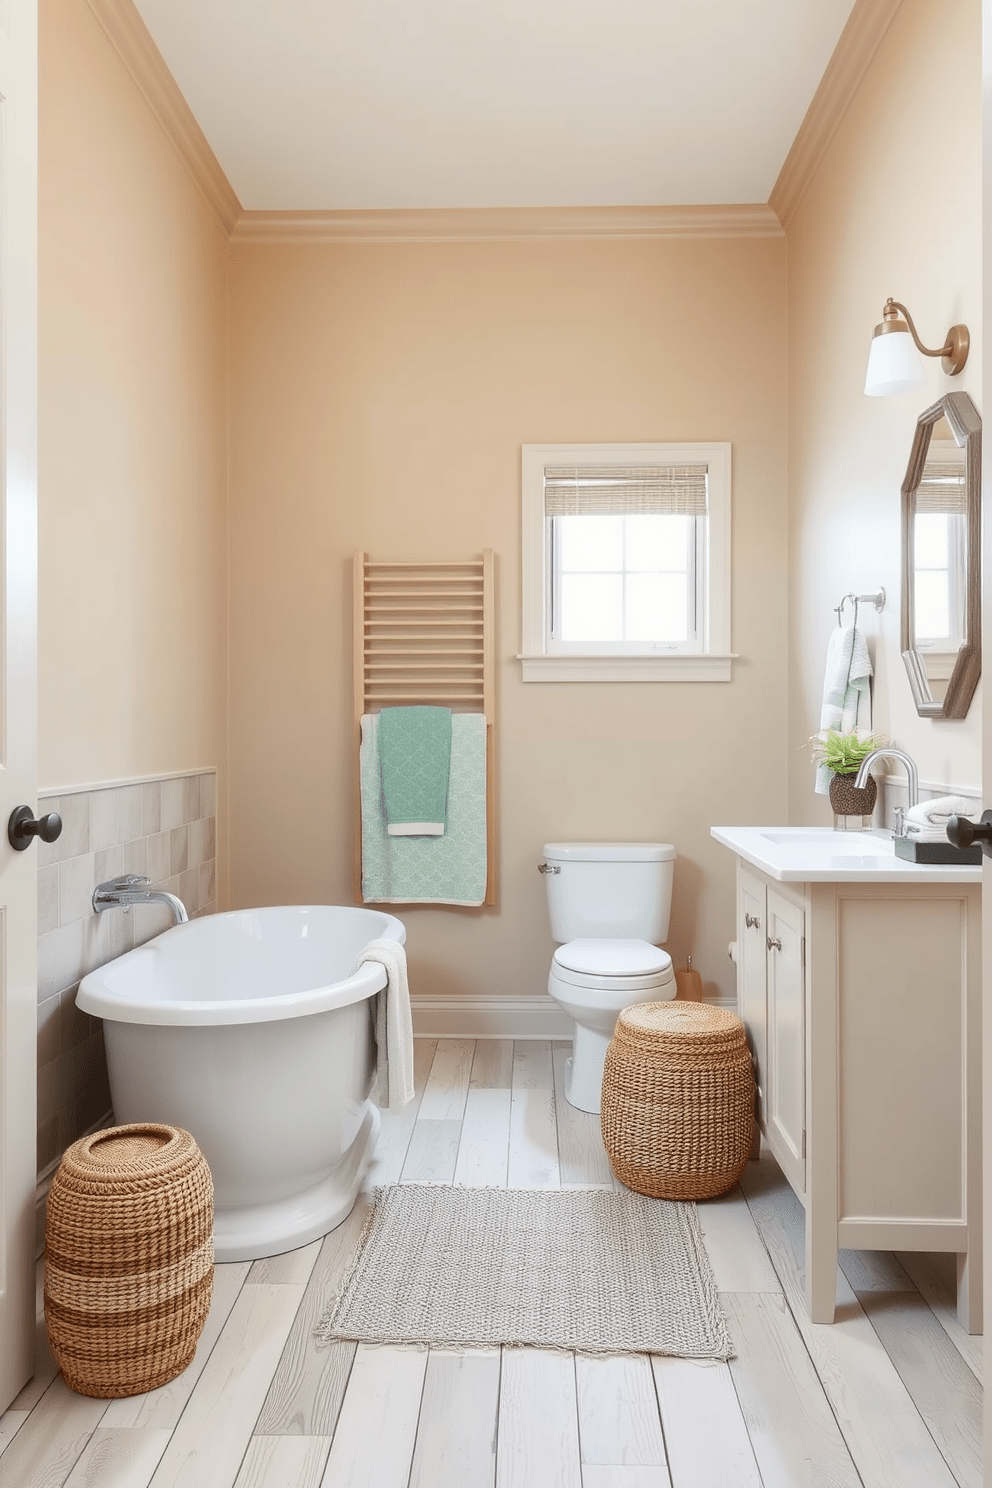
609,890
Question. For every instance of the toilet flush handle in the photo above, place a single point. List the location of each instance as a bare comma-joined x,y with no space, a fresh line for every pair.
548,868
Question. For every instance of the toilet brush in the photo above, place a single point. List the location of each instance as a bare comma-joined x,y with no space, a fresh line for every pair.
689,983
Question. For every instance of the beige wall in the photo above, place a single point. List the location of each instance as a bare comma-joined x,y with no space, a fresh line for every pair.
132,437
895,209
379,399
379,395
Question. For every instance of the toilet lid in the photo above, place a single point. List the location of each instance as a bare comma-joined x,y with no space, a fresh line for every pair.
613,958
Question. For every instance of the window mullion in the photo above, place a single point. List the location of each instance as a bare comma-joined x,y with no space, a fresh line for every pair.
693,578
554,597
623,583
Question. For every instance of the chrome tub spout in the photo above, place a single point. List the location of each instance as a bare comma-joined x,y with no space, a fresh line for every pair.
131,889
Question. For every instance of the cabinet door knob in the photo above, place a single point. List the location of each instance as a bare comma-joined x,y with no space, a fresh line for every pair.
774,945
751,922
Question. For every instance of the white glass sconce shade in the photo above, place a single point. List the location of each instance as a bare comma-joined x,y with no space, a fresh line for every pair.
894,365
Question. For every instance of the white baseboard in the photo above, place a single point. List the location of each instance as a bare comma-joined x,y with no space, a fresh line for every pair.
489,1017
499,1017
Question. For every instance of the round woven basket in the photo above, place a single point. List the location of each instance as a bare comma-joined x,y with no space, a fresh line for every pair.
128,1258
678,1100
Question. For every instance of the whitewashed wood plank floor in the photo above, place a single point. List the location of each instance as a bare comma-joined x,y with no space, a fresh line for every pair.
887,1397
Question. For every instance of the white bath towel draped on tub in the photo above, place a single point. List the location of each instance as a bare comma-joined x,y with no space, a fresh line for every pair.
393,1024
428,870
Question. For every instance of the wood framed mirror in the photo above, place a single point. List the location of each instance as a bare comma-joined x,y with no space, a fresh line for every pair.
941,558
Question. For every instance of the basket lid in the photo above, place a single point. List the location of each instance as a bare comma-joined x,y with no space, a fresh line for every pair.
619,958
610,852
691,1020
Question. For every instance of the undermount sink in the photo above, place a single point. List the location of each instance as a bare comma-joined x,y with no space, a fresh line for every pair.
818,854
860,844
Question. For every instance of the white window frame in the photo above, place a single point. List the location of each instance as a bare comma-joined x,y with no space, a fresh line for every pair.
538,662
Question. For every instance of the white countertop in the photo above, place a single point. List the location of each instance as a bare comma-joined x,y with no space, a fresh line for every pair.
819,855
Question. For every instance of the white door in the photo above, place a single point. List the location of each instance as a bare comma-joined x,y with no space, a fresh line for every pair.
986,347
18,683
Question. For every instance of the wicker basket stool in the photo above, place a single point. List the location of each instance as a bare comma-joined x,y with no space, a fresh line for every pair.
678,1100
129,1258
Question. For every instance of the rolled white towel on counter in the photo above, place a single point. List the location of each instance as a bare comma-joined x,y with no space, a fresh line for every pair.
916,833
927,822
939,811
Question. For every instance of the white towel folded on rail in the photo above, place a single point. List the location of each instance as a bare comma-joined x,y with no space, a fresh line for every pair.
393,1024
927,822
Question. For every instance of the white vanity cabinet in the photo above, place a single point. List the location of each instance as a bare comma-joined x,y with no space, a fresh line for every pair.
861,996
771,937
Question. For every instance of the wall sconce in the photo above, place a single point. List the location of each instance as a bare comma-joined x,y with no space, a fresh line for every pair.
893,363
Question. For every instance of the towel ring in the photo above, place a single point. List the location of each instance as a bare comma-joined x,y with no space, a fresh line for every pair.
877,599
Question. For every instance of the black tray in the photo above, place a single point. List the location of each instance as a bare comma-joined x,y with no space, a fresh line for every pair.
936,852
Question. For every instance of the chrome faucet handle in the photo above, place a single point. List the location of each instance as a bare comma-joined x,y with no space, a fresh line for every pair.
899,812
125,881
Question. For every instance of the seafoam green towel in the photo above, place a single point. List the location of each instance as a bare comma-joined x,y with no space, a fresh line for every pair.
414,755
428,870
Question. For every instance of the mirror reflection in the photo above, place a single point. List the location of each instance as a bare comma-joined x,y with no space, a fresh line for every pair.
940,549
940,558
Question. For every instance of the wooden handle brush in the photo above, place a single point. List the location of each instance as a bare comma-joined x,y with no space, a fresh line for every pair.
689,983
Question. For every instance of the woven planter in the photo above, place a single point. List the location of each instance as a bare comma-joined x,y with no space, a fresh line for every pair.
678,1100
847,800
128,1258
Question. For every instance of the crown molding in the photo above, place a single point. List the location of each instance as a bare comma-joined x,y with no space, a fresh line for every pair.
845,72
130,38
505,224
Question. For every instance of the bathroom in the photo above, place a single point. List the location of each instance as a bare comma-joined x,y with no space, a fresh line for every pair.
226,415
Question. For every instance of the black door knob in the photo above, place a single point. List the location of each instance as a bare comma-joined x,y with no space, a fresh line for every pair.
22,827
963,832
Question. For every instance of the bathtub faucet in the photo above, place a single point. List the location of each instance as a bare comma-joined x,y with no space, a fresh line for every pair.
130,889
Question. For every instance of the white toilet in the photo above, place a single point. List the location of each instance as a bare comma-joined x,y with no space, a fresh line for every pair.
609,904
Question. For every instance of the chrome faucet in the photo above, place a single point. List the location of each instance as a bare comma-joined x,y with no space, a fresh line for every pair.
912,781
130,889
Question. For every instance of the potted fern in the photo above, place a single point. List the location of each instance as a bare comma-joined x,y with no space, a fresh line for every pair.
843,755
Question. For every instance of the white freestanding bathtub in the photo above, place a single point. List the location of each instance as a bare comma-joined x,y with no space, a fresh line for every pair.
249,1030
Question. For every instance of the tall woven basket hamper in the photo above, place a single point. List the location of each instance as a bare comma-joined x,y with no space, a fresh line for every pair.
128,1258
678,1100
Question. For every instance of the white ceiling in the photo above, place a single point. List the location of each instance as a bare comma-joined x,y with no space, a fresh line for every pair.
361,104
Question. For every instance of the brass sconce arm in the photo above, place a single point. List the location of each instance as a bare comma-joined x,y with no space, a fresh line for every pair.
954,352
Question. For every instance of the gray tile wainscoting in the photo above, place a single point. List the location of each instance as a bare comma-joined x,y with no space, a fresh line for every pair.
165,828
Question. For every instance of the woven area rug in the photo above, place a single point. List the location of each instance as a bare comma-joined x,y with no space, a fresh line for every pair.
585,1269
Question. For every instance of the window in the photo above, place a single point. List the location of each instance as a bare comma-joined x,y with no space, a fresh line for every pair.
626,562
939,545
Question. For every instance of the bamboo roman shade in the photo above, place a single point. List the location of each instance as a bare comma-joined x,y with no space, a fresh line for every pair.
614,490
942,486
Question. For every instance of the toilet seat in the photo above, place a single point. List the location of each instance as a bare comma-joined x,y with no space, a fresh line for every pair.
619,965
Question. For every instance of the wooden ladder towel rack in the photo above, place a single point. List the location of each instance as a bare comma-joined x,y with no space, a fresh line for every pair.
425,634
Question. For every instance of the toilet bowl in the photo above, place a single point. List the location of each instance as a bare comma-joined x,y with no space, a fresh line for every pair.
608,904
593,981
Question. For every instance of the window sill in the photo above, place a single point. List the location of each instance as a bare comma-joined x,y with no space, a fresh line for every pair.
708,668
